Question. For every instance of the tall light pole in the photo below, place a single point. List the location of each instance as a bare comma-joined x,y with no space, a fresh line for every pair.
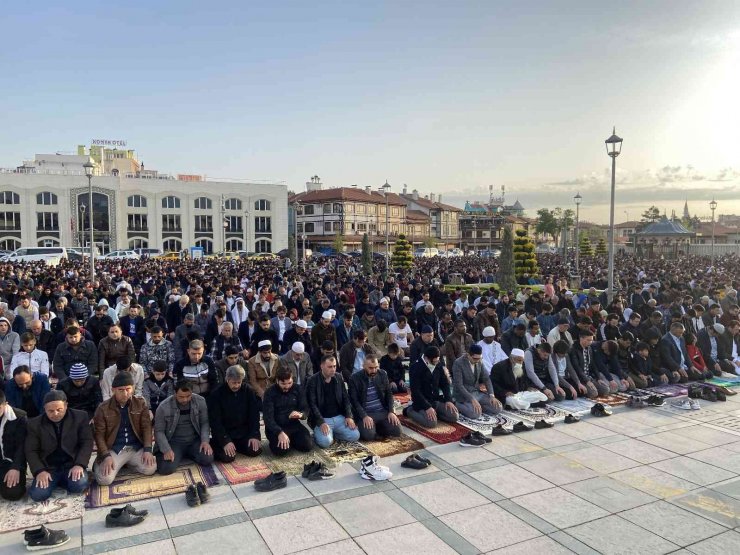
303,258
613,149
296,208
578,198
246,230
713,206
89,167
475,236
386,189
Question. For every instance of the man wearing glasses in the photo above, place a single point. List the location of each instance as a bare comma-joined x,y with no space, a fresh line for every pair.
468,375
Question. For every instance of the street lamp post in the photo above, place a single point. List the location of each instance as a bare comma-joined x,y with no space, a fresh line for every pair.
578,198
246,231
386,189
81,237
89,172
713,206
613,149
297,207
303,258
475,236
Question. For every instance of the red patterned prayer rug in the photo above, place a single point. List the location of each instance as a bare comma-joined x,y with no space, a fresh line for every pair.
443,432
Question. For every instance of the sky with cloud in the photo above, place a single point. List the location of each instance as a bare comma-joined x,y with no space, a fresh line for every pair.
446,97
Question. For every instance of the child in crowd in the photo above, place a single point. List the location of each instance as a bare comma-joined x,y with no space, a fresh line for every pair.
36,359
392,363
642,366
694,353
158,385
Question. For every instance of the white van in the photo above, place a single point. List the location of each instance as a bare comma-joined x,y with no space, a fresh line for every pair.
51,255
426,252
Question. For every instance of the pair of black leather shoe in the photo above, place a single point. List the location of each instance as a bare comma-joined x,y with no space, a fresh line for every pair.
197,494
276,480
417,462
125,516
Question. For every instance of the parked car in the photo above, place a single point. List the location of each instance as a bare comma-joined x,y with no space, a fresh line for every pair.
121,255
148,253
50,255
426,252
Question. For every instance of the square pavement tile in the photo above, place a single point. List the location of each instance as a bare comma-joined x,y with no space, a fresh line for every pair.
12,542
222,503
705,434
730,488
346,477
93,522
251,499
445,496
711,504
454,454
609,494
653,481
508,446
618,424
344,547
639,451
694,471
369,513
615,536
298,530
601,460
672,523
719,456
542,544
585,431
550,438
558,469
162,547
489,527
511,480
650,418
559,507
675,442
412,538
729,542
228,539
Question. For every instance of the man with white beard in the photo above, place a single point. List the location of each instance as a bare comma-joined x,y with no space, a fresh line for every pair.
492,351
509,378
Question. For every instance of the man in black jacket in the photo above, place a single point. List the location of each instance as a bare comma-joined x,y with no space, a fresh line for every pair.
82,390
712,347
283,407
514,338
99,323
234,415
13,424
372,401
330,412
427,378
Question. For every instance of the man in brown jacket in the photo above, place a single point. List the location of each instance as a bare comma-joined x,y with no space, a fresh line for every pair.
113,347
456,344
123,433
262,368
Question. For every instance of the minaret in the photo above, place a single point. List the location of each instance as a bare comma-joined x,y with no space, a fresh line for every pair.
686,215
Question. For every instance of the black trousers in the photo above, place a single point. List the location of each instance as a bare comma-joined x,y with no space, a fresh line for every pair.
16,492
382,427
299,436
181,451
242,446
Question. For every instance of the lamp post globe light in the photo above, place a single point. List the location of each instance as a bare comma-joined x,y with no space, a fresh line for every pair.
578,198
613,149
386,189
713,207
89,167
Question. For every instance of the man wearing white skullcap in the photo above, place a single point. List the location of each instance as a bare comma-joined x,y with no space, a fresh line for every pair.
492,351
298,362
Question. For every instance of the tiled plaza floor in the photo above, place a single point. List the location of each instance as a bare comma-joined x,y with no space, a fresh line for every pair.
641,481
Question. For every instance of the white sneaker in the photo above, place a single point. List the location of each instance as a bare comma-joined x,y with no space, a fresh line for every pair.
371,470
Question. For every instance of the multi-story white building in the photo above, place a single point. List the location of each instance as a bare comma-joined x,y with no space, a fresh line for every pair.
45,202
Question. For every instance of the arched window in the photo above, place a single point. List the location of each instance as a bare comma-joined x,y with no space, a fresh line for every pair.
263,245
206,244
203,203
171,202
9,197
233,204
262,204
234,245
46,198
48,243
138,244
9,244
137,201
172,245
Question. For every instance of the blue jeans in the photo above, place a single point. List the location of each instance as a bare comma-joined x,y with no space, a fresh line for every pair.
337,428
59,477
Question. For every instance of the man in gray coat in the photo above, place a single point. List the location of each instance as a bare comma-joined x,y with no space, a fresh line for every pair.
467,377
181,429
298,362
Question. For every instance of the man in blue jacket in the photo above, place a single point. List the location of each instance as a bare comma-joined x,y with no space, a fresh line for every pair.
26,391
674,356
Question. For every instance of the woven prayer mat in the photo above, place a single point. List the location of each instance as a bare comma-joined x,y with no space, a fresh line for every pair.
486,422
578,406
244,469
671,390
393,446
403,398
294,461
443,432
23,514
724,382
135,487
532,414
344,451
613,399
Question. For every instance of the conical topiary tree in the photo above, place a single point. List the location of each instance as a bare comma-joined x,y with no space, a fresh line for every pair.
601,247
402,257
585,248
506,278
367,257
525,260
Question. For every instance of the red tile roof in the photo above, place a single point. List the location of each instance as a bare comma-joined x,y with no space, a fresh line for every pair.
348,194
417,216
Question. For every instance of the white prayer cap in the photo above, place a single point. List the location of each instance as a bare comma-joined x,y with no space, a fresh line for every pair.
264,343
517,353
326,315
488,331
298,348
301,324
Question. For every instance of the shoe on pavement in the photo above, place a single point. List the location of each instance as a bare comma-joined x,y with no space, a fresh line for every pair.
542,424
480,435
121,518
694,404
500,431
572,419
720,395
600,409
203,494
320,472
191,496
472,441
276,480
655,401
43,538
422,459
413,462
134,511
726,390
521,427
371,470
310,468
684,404
708,395
35,533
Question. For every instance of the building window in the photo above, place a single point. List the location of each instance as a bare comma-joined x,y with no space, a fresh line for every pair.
171,245
338,208
327,209
10,221
206,245
203,203
300,228
308,209
8,197
263,224
351,208
171,222
263,245
46,199
234,223
394,211
204,223
360,208
234,245
362,227
9,244
262,205
138,222
138,244
48,243
47,221
327,226
137,201
309,228
171,203
233,204
372,209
